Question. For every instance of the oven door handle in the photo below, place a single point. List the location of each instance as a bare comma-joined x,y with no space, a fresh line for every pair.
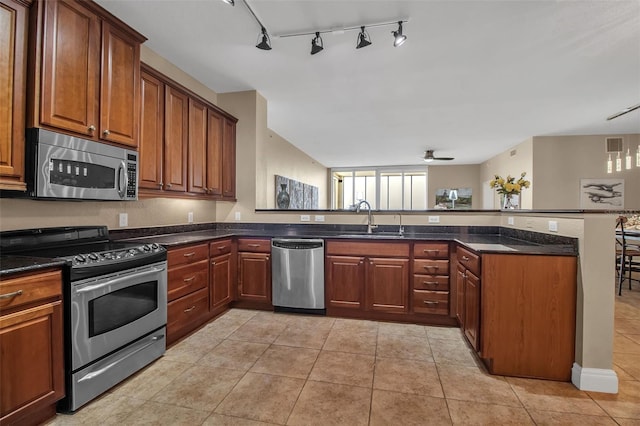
119,280
107,367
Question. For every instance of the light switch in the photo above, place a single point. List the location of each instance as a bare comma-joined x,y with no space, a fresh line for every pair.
190,217
434,219
237,216
553,226
305,218
123,219
319,218
510,220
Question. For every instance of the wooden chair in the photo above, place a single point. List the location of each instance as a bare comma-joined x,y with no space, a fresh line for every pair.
625,254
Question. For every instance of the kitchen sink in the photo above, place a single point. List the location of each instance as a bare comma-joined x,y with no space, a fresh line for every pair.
373,236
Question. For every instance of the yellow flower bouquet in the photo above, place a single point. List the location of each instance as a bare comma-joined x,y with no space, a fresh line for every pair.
510,185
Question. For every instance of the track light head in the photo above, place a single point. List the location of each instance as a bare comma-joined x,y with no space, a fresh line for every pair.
316,44
363,39
265,44
231,2
399,38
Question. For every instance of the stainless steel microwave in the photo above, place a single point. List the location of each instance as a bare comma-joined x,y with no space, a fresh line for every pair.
63,166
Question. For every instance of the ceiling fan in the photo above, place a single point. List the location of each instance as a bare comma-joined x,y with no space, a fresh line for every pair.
428,157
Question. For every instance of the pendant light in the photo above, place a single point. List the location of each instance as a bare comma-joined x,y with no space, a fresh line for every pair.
638,156
627,160
609,165
231,2
618,163
363,39
316,44
265,44
399,38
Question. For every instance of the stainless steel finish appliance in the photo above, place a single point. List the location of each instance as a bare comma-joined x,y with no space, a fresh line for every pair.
115,304
298,275
63,166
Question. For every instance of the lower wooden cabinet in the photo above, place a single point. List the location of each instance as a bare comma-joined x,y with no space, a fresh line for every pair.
31,347
254,272
387,285
472,309
186,314
222,273
344,278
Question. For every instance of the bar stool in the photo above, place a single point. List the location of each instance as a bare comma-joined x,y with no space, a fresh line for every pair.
625,253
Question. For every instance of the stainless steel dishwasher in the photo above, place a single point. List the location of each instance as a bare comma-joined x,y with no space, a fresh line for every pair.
297,275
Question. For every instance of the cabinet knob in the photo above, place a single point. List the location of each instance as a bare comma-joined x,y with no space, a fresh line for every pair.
160,185
465,258
92,128
106,132
169,185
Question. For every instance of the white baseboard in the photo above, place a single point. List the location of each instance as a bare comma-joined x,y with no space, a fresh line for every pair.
594,379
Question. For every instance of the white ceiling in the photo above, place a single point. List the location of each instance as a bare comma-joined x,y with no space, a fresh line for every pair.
473,79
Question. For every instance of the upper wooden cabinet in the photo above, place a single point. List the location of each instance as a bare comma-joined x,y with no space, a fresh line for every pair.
187,145
87,72
13,69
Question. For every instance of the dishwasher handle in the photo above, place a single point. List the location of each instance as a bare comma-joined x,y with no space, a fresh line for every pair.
297,244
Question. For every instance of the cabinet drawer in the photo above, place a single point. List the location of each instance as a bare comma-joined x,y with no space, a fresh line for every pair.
187,279
431,267
431,282
469,260
26,289
431,250
217,248
186,313
382,249
431,302
186,255
254,245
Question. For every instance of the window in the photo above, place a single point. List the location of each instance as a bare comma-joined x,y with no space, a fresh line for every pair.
385,188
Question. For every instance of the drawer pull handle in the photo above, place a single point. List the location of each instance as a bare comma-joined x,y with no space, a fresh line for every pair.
254,245
186,311
189,254
427,267
430,302
465,258
10,295
186,280
222,247
430,282
431,251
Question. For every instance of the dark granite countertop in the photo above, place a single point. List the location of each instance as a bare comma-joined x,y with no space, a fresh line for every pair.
13,264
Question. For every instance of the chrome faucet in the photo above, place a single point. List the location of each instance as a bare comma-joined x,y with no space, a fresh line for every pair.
370,226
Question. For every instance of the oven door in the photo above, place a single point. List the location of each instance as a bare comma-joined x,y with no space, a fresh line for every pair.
110,311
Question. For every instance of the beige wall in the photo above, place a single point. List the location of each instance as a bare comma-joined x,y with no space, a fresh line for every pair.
467,176
561,161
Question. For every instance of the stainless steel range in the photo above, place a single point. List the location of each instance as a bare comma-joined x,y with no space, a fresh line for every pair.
115,304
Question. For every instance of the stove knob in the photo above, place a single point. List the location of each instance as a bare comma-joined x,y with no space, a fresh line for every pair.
155,246
80,259
146,247
93,256
107,255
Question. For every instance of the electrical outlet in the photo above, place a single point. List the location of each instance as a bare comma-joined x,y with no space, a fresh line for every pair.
123,219
190,217
434,219
529,223
510,220
553,226
238,216
319,218
305,218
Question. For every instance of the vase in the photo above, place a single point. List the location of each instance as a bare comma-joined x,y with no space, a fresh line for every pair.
508,202
283,199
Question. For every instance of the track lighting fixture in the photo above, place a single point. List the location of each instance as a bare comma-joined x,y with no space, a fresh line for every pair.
265,44
316,44
363,39
231,2
399,38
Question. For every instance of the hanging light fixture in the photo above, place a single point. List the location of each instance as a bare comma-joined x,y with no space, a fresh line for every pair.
231,2
638,156
363,39
316,44
618,163
609,165
399,38
265,44
627,160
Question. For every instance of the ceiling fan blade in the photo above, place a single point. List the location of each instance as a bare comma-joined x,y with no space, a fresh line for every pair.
443,158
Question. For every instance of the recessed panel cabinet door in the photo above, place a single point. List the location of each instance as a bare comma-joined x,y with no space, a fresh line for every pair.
229,159
387,285
472,310
215,129
345,278
176,125
254,277
197,165
119,92
70,68
151,132
221,278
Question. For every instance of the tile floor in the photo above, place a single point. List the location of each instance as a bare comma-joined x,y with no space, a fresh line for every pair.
251,368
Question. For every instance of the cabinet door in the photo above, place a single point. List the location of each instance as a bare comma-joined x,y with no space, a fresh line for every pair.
176,127
119,91
215,131
229,160
31,365
70,68
387,285
151,132
345,280
460,277
13,67
472,309
254,277
221,279
197,165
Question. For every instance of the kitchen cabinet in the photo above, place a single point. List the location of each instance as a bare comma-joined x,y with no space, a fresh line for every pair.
366,279
187,145
431,278
31,344
254,272
468,295
187,289
14,25
87,73
527,316
222,269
